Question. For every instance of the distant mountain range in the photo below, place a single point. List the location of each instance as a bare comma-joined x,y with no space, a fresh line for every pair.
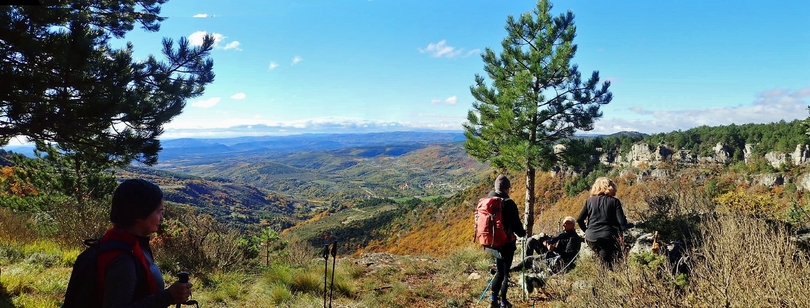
217,147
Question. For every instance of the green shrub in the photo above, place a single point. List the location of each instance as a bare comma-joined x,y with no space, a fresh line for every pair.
279,294
306,282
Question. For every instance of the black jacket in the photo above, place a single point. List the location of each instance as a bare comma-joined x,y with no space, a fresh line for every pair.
605,218
568,244
511,220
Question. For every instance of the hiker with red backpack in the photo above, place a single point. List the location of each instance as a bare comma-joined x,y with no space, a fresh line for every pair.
120,270
497,223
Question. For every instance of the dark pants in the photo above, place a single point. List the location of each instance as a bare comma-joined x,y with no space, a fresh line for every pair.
541,260
536,245
501,280
606,249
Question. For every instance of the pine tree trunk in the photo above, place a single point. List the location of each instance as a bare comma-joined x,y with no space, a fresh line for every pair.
528,211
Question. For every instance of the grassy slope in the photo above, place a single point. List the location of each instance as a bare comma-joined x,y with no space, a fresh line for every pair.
457,277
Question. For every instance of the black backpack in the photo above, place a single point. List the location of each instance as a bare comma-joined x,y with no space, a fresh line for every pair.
81,290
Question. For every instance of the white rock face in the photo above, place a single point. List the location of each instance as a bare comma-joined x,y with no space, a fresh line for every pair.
721,154
776,159
770,179
747,152
803,183
801,154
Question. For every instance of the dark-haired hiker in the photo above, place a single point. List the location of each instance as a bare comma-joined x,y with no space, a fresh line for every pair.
133,279
606,219
503,255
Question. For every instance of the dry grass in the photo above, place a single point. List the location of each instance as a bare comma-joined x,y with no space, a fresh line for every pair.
738,260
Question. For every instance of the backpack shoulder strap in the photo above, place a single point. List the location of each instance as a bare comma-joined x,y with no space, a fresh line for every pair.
114,245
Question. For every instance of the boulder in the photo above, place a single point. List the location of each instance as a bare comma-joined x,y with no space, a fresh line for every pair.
801,154
770,179
803,182
721,154
642,244
776,159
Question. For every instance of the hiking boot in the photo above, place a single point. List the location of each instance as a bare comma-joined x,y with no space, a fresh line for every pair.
495,303
506,304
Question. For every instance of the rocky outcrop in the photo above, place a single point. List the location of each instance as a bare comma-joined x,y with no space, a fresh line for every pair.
770,179
776,159
684,156
721,154
801,155
644,153
747,152
803,182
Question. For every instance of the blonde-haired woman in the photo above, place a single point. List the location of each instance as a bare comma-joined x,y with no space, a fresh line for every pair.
605,218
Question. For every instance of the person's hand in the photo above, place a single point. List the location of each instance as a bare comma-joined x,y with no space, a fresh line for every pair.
180,292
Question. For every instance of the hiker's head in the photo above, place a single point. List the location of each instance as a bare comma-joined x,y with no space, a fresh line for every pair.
502,183
603,186
569,223
136,201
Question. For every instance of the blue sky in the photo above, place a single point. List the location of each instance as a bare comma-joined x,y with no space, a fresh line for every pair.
378,65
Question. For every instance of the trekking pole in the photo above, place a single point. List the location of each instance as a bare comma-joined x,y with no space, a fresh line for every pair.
487,288
332,284
325,254
182,277
523,268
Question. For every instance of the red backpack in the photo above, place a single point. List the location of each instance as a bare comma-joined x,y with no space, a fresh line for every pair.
489,229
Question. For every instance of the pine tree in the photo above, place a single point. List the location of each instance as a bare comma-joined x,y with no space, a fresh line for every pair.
536,99
63,84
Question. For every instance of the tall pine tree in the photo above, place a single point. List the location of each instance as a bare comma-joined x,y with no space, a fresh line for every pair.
536,99
63,84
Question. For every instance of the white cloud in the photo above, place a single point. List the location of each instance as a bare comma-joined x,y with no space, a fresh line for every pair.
202,16
273,65
441,49
768,107
208,103
196,39
450,100
239,95
255,126
233,45
296,59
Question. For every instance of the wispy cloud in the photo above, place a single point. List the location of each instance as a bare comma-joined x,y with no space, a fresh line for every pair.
450,100
272,65
202,16
239,95
441,49
208,103
768,107
296,59
255,126
197,38
233,45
